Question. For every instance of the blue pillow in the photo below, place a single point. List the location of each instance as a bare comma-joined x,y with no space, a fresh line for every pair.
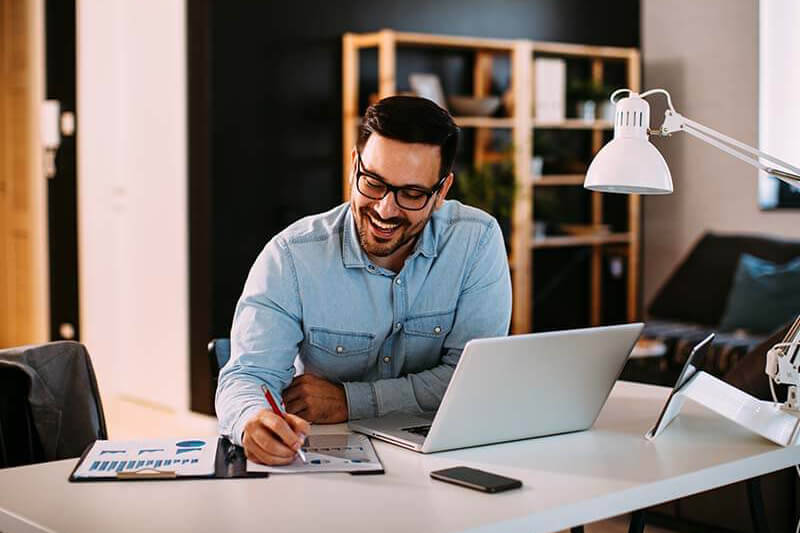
764,295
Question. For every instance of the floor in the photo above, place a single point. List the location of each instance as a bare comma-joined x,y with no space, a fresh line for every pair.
130,418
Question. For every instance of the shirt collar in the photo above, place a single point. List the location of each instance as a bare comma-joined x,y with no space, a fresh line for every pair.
426,245
353,254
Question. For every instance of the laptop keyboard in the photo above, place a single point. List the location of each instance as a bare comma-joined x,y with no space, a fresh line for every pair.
419,430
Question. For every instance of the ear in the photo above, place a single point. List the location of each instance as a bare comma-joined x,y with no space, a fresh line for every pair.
442,195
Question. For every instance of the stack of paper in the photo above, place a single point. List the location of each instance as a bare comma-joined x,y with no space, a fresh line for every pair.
340,452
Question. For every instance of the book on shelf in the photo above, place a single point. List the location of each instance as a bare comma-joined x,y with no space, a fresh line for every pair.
550,97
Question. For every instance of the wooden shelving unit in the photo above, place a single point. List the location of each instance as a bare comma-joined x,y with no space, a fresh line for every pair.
522,125
574,124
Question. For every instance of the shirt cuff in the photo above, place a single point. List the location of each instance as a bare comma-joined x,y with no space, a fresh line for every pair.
361,401
237,432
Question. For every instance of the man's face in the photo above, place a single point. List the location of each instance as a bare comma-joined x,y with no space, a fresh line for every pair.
384,227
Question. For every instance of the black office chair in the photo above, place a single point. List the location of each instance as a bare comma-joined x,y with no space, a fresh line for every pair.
19,441
219,351
50,406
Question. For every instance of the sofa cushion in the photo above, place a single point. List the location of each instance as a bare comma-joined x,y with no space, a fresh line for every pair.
698,289
764,295
748,374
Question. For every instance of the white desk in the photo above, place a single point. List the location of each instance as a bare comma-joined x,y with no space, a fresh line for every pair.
567,480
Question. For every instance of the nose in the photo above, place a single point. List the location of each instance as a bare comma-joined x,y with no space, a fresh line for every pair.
387,207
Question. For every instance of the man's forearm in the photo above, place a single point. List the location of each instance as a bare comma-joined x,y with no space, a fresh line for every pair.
236,402
413,393
239,396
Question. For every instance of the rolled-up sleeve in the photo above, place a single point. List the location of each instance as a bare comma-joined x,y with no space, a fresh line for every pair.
265,338
483,310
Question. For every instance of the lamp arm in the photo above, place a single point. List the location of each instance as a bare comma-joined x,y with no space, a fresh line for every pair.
674,122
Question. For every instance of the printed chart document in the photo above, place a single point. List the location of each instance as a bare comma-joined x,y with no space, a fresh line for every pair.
338,452
181,457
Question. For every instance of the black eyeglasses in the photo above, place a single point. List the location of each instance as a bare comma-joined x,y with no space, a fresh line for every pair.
375,188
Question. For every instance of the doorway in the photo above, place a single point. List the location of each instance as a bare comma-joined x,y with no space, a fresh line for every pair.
61,186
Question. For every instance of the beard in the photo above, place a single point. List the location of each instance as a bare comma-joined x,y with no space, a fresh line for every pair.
378,245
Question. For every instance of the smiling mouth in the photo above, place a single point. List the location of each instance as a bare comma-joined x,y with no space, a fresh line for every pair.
382,229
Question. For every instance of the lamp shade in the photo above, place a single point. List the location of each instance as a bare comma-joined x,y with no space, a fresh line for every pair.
629,163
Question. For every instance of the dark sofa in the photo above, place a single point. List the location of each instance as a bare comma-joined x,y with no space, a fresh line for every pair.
691,303
688,307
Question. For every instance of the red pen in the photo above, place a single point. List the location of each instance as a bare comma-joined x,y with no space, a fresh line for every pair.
277,410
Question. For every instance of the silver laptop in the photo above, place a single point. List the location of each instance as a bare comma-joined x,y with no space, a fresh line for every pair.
518,387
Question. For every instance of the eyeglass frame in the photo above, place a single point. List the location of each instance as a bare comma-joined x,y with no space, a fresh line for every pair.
360,170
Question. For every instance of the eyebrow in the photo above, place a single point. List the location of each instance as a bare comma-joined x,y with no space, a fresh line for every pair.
372,174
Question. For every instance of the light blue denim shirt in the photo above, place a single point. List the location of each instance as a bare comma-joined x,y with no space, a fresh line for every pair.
391,338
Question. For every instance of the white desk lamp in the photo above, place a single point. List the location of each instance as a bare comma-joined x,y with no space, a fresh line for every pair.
631,164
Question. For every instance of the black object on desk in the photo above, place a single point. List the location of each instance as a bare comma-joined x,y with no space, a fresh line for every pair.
476,479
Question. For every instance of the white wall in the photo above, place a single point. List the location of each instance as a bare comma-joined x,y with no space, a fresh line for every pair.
132,196
706,54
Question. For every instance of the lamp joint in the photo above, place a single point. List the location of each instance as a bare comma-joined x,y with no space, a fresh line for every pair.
673,121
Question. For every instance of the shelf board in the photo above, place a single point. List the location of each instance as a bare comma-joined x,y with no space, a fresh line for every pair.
580,50
484,122
582,240
367,40
453,41
548,180
508,122
574,124
495,157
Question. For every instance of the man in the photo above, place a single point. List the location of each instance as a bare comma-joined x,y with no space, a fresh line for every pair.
376,298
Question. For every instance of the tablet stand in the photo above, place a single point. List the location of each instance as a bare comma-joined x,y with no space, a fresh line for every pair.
764,418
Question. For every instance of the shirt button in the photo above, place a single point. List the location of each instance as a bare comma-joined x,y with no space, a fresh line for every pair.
387,359
339,349
437,330
398,325
370,268
398,281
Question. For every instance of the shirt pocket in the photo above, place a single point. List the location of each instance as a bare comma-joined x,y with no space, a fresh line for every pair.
424,336
339,355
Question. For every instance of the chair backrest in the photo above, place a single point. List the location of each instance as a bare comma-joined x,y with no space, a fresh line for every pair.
53,387
19,440
219,351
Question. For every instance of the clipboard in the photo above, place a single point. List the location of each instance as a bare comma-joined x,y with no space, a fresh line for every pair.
230,463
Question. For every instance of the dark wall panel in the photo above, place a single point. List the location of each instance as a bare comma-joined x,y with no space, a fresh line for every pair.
62,188
265,114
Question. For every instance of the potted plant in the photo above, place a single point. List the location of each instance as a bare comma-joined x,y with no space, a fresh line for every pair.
587,95
490,187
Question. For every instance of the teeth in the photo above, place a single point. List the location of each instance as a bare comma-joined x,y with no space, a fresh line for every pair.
383,226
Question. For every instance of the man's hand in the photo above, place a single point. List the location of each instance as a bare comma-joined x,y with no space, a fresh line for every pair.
316,399
271,440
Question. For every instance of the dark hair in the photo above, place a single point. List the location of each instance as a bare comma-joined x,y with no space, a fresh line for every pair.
412,119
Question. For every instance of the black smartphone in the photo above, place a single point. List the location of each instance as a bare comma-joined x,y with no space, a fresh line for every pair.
476,479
